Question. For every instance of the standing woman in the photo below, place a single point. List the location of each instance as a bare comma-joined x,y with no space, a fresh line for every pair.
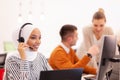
27,62
92,35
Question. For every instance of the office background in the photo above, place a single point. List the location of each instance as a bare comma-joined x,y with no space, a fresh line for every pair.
50,15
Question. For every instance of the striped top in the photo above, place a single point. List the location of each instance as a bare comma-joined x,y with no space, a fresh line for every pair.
17,69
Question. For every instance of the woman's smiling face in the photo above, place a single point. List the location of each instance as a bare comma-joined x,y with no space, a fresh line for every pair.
98,26
34,39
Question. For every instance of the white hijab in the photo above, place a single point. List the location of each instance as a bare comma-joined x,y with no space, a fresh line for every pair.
25,33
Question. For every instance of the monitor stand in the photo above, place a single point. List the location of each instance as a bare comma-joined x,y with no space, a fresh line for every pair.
108,73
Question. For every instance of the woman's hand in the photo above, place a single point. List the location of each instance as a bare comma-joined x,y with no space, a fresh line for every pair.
21,50
94,50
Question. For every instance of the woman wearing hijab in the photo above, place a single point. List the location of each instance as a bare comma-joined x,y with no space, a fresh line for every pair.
27,62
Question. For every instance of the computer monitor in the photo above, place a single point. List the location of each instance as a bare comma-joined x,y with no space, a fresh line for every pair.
107,52
2,59
67,74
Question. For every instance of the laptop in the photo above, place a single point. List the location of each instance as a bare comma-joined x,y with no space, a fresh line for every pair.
2,59
66,74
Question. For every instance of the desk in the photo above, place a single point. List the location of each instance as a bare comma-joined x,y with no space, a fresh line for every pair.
1,73
89,76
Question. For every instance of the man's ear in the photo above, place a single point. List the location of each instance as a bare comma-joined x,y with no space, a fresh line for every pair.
69,39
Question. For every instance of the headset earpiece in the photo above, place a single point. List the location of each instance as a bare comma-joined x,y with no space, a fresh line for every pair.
20,38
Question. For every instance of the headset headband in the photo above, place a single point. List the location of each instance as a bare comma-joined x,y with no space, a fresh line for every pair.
20,38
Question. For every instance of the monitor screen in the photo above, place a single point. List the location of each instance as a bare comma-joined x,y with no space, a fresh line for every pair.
2,59
107,52
67,74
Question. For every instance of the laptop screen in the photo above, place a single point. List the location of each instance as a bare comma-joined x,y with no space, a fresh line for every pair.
67,74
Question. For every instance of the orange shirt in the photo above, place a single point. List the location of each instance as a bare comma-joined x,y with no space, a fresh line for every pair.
59,59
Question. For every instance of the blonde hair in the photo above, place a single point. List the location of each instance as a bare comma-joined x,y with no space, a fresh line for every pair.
99,14
101,10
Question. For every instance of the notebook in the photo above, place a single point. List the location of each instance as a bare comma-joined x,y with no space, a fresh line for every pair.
67,74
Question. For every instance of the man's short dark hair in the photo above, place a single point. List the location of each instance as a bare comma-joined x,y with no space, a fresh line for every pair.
67,30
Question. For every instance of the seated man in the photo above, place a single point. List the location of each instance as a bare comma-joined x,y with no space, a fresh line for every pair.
64,57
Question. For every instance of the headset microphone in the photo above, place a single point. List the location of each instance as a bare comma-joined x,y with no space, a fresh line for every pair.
30,47
20,38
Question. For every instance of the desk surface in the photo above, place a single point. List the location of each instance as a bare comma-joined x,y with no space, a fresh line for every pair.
91,76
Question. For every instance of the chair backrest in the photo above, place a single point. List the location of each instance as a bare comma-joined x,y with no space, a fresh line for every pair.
1,73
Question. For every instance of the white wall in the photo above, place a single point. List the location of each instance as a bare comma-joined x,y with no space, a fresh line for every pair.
56,14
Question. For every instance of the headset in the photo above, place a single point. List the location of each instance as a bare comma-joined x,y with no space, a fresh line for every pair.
20,38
